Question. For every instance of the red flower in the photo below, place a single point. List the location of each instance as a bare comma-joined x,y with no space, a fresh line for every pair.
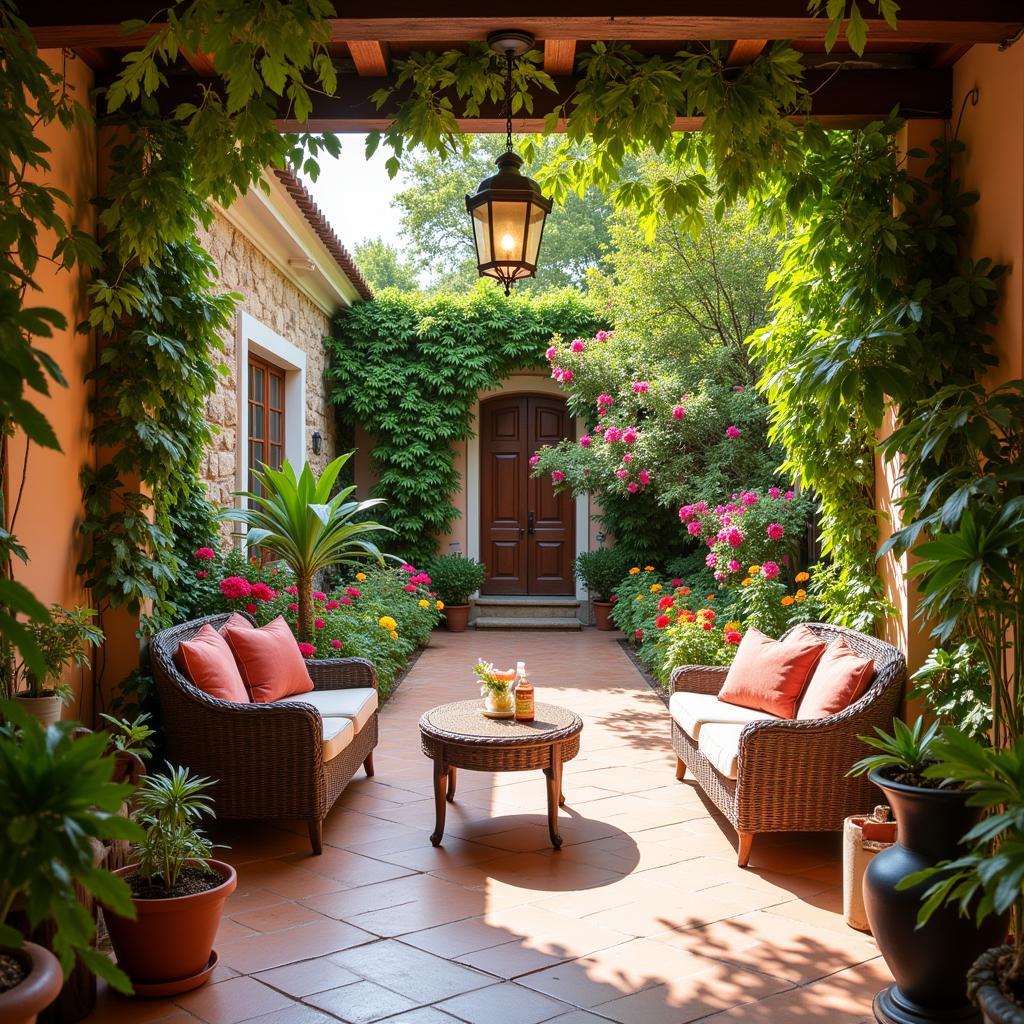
410,587
733,637
251,608
205,554
639,634
262,592
293,607
291,590
319,596
234,588
353,592
346,600
319,623
331,605
706,626
336,644
665,602
202,574
662,621
307,650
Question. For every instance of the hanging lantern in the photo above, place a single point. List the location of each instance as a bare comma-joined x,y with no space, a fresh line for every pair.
508,209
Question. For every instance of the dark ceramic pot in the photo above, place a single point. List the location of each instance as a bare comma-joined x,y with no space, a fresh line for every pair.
929,964
602,614
983,985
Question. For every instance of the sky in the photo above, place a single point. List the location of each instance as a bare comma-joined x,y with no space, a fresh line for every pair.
355,194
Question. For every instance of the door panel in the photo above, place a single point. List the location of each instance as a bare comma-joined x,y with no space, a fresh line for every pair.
519,561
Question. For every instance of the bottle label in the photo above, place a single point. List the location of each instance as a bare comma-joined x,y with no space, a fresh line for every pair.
524,705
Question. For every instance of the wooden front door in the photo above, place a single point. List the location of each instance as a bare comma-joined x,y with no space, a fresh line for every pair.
527,532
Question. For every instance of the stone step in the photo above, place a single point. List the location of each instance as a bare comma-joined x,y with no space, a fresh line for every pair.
526,607
524,622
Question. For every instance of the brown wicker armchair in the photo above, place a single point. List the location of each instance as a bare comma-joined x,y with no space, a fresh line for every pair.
791,775
267,758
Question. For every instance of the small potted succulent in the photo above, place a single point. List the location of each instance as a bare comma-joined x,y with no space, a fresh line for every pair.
64,640
456,578
177,891
56,797
929,959
601,571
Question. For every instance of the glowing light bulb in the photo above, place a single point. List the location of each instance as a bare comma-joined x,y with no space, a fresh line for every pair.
508,243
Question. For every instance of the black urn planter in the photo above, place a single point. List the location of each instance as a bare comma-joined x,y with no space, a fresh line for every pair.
983,985
929,964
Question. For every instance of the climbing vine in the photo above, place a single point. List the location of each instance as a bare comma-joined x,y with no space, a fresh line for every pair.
407,368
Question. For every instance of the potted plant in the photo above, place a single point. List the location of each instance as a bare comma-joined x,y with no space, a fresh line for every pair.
56,797
496,689
601,571
455,578
929,961
177,891
64,642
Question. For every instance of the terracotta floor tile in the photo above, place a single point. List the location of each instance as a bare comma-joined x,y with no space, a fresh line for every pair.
350,869
503,1004
361,1003
273,919
294,1014
308,976
459,937
233,1001
274,949
113,1008
422,1015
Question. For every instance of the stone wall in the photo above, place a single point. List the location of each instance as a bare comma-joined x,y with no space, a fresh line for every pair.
276,302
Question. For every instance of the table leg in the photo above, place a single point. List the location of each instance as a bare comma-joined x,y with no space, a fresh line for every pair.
451,784
440,794
554,786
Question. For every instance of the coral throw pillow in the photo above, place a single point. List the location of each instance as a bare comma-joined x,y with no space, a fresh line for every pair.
208,662
770,675
269,661
236,621
840,678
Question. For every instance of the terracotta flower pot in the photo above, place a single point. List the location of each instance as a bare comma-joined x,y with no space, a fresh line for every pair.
929,963
23,1003
983,985
45,710
171,939
602,614
456,616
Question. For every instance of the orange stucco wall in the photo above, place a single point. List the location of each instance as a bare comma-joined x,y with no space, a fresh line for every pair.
51,495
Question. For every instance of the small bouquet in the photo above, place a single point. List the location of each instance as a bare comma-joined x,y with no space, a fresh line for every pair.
495,688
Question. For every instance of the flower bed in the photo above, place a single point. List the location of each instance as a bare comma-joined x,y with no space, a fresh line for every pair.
382,614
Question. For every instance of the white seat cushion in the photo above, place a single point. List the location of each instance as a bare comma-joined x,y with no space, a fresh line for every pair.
358,704
720,743
338,734
692,711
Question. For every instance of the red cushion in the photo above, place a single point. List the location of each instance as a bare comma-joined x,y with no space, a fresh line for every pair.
770,675
269,661
236,621
208,662
840,678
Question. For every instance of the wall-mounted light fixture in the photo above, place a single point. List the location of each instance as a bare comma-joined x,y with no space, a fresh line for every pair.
318,442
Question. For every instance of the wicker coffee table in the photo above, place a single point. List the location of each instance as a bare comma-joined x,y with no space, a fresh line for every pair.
458,736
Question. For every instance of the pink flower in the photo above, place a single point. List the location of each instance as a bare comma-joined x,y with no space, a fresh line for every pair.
711,560
641,386
291,590
557,476
733,431
629,435
234,588
677,582
622,473
202,574
627,458
586,441
734,566
346,600
551,353
639,634
774,492
734,537
602,335
720,576
408,568
534,459
410,587
693,527
775,531
262,592
748,498
336,644
678,412
205,554
770,570
319,623
251,608
353,592
739,389
644,477
565,377
293,607
789,496
319,595
605,399
612,434
306,650
686,513
578,345
600,428
632,487
331,605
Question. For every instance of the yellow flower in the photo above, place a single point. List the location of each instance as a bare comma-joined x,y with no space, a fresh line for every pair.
361,576
439,605
731,625
786,601
639,597
635,571
802,577
648,568
393,635
424,604
747,582
388,623
655,587
754,570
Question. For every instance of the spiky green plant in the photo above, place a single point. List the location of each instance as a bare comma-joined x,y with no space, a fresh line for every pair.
910,748
297,518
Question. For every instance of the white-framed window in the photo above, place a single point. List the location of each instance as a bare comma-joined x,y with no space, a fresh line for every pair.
271,400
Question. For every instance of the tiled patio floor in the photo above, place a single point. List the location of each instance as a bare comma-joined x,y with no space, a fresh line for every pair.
642,918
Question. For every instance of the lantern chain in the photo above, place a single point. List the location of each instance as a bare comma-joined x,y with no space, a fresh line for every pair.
509,58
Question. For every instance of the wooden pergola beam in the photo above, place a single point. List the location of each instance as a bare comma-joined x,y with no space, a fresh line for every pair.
745,51
370,56
559,56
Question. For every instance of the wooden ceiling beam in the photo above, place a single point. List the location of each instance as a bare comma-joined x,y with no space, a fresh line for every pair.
559,56
745,51
370,56
947,54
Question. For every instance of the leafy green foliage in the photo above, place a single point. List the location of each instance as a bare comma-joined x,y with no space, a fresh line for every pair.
909,748
56,795
408,369
955,686
298,518
384,267
846,16
455,577
65,640
131,735
600,570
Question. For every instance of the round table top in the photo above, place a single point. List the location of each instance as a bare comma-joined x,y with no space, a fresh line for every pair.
463,722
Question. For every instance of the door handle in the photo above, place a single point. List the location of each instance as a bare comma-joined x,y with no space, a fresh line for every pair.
529,523
521,532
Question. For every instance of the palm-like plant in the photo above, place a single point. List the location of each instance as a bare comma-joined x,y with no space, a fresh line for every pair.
297,519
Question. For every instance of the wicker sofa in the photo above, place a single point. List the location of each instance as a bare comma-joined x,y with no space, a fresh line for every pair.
785,775
284,759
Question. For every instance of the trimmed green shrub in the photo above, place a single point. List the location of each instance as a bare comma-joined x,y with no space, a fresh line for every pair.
455,577
601,570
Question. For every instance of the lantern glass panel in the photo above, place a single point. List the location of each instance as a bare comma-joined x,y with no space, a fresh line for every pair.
482,233
508,222
534,233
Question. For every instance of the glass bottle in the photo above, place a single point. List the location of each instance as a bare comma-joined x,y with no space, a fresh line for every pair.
524,694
